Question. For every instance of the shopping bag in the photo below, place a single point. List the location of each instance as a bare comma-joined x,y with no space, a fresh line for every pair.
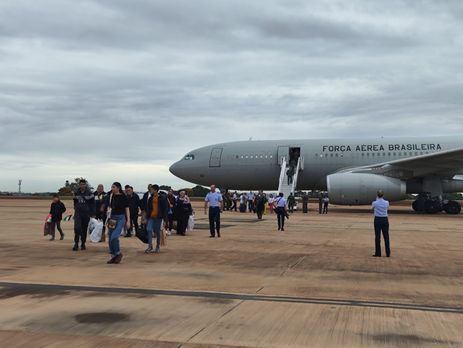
91,225
47,225
163,237
191,223
95,235
141,234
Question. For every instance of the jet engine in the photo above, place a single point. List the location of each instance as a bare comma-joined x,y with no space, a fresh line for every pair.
361,188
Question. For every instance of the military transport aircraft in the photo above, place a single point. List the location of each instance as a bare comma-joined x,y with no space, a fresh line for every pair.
352,170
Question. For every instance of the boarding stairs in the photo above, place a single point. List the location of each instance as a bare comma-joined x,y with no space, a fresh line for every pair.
283,185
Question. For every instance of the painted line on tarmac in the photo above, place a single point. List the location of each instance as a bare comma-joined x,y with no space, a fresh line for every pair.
30,287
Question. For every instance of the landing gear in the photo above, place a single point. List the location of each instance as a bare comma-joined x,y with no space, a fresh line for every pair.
452,207
418,205
426,205
432,206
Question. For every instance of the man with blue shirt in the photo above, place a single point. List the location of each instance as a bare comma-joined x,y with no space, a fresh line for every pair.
215,202
380,208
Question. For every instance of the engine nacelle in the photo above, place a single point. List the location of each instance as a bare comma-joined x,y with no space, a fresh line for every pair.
360,188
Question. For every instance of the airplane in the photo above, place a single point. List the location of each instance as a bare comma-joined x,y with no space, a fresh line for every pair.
351,170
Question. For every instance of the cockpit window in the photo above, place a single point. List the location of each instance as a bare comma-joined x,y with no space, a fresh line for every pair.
189,157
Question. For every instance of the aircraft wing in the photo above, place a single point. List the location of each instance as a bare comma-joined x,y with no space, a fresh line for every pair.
443,163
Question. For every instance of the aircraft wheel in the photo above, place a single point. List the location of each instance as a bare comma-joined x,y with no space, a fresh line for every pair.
432,206
452,208
418,205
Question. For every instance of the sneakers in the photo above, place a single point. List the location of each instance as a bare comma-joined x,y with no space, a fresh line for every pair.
76,247
157,250
62,237
111,261
83,247
52,239
149,250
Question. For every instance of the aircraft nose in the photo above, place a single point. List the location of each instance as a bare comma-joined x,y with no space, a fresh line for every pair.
174,168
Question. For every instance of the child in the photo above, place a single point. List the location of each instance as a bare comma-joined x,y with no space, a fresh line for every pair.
56,210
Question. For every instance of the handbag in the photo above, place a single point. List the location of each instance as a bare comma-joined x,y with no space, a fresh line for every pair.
111,223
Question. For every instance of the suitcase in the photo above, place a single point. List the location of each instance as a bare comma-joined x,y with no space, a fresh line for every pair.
242,208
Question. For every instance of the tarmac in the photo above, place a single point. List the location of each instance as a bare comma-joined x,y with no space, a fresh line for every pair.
314,285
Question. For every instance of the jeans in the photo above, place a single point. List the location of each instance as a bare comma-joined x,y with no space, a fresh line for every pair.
214,220
382,224
154,225
114,234
80,228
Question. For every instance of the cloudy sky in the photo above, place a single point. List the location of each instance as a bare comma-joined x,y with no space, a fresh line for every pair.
121,89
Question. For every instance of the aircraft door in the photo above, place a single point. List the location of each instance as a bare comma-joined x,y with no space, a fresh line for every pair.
216,157
283,152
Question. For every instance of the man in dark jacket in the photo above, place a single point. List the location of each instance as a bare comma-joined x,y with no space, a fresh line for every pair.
156,212
84,208
134,206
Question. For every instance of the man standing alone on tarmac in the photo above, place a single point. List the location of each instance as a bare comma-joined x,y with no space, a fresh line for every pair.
84,208
380,208
215,202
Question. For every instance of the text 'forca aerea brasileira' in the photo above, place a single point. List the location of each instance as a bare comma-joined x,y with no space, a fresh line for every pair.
381,147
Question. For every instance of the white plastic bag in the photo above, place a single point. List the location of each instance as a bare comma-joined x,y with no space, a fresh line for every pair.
191,223
95,228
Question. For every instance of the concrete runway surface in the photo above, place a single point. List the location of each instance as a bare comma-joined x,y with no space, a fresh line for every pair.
314,285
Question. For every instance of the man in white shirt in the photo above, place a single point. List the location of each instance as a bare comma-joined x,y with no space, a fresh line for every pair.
280,209
215,201
251,197
380,208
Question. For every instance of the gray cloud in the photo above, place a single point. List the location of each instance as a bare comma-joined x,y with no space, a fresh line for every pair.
89,84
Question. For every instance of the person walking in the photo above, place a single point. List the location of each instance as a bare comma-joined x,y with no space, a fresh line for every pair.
381,223
243,201
119,217
251,197
235,201
280,210
320,203
183,211
156,212
326,203
260,202
171,213
134,205
57,209
290,174
143,206
100,208
215,202
305,203
271,203
84,208
291,202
